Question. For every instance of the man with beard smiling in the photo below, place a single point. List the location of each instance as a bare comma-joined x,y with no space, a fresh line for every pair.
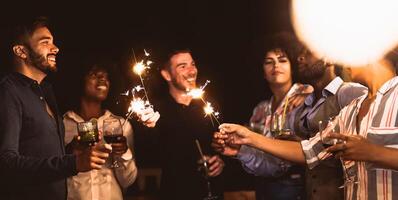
33,163
182,122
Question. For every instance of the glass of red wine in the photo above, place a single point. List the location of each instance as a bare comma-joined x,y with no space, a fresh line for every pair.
88,132
112,133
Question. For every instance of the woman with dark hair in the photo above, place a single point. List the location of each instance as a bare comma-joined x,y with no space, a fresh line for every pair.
279,179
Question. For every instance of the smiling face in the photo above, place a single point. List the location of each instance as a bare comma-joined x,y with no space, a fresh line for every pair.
277,68
182,73
96,84
41,50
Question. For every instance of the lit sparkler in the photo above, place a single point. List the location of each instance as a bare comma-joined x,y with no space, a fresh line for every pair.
137,103
140,67
197,93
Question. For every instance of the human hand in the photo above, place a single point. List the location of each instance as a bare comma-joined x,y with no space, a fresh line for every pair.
352,147
120,146
237,134
220,144
295,101
216,165
148,117
92,157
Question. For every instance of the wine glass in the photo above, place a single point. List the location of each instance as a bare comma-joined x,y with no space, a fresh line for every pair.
204,169
112,133
325,129
88,132
278,127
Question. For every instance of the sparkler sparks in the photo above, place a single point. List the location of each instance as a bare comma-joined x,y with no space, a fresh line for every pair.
140,67
137,103
197,93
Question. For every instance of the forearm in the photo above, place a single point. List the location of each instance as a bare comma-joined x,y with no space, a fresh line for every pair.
287,150
260,163
384,157
24,168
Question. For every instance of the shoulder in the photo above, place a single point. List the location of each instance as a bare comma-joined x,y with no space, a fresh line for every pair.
8,89
352,87
350,91
8,83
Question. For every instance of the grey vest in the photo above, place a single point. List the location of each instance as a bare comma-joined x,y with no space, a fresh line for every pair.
322,182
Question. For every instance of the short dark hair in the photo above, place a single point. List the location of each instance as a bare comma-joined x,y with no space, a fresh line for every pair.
166,60
18,33
24,29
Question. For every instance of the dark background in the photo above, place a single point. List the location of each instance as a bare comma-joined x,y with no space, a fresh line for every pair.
225,37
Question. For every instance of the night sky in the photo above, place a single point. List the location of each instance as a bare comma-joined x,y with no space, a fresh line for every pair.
224,35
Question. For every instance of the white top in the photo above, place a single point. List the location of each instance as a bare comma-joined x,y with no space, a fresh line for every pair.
105,183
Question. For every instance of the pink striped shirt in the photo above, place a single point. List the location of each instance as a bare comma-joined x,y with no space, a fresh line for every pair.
379,126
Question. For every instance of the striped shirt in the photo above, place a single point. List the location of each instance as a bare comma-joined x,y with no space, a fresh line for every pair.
379,126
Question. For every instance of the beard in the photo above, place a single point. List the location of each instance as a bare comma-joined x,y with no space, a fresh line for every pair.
40,61
310,73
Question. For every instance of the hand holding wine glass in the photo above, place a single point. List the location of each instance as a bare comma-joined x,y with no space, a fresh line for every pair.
113,134
326,129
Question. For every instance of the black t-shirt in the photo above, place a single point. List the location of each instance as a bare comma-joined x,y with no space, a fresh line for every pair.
179,126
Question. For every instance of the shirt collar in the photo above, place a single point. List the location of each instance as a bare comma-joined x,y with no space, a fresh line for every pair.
330,88
75,117
26,81
333,86
388,85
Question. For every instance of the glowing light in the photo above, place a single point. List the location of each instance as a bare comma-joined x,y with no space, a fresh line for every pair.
208,109
136,105
347,31
197,93
140,67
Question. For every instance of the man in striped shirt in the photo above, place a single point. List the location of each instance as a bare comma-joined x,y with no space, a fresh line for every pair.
369,127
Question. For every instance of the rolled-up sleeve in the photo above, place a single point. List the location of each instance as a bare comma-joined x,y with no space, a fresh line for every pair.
260,163
314,151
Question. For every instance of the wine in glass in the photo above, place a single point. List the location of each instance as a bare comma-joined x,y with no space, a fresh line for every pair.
88,132
112,133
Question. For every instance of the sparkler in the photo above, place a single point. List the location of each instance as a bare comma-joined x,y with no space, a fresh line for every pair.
140,67
138,104
197,93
